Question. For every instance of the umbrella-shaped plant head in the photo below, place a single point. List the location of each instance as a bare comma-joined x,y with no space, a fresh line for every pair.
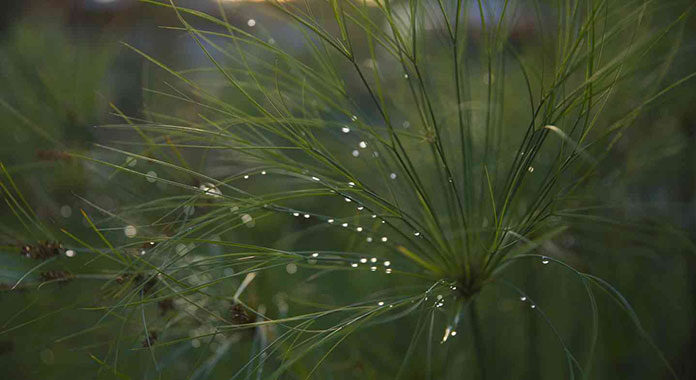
408,173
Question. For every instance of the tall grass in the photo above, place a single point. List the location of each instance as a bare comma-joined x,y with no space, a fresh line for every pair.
410,158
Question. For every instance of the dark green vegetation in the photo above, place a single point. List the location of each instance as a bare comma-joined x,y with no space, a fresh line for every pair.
351,189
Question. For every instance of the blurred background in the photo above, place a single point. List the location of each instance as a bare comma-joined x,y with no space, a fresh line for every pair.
63,70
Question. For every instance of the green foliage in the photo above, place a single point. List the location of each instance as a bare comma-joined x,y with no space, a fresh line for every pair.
389,199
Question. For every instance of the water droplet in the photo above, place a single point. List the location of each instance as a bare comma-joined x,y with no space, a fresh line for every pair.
248,220
363,144
344,224
345,129
374,216
246,177
70,253
271,41
251,22
210,189
533,306
406,76
416,233
306,216
388,270
359,229
368,239
453,333
263,172
406,124
373,260
375,154
355,153
360,208
315,254
315,178
353,118
373,268
130,161
130,231
448,330
387,263
354,265
347,199
530,169
439,296
291,268
65,211
392,175
380,303
295,214
351,184
330,220
523,298
544,260
363,260
384,238
151,177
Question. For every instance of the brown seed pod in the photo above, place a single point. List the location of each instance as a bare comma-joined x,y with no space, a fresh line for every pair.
147,285
56,275
165,306
52,155
146,246
120,279
150,340
42,251
239,315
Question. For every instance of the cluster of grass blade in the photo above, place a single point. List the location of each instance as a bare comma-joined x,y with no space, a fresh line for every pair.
394,126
